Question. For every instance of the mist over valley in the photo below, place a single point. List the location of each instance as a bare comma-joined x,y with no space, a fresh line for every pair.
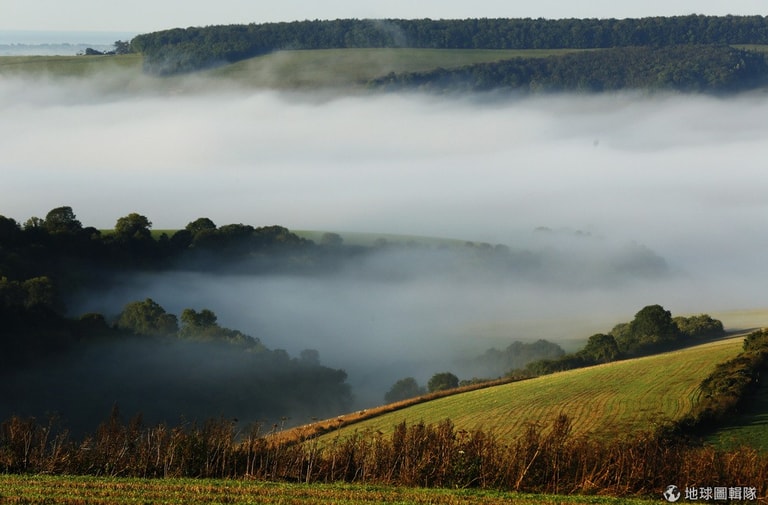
578,210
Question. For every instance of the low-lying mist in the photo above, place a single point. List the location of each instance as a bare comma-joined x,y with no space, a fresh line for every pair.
607,203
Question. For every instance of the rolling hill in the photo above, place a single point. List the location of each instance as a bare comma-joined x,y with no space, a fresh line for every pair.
605,401
287,69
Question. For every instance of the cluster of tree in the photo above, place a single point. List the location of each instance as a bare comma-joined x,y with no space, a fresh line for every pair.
652,330
45,262
147,362
689,68
495,362
408,387
145,359
61,248
121,47
184,50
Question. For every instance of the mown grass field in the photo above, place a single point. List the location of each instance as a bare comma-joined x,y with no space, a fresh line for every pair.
65,490
604,402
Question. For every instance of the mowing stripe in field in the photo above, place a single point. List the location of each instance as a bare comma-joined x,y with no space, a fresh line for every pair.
602,401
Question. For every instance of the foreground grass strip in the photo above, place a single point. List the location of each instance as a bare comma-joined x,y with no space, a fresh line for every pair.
43,489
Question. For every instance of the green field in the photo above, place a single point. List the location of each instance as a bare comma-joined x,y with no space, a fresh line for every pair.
605,401
42,489
68,66
322,68
348,67
289,69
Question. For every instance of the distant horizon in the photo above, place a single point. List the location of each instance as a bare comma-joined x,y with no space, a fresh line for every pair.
147,16
43,37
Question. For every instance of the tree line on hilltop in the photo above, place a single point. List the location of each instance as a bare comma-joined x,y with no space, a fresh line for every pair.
652,330
684,53
183,50
144,358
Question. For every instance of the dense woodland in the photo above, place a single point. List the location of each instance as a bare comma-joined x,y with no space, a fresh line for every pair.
713,69
144,359
687,53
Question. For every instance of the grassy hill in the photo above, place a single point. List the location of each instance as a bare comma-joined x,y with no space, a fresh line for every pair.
347,69
605,401
351,67
280,69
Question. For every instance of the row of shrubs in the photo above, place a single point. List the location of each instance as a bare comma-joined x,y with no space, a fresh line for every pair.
726,390
545,459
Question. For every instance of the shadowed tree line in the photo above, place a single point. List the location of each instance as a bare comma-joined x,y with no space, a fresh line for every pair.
144,358
711,69
652,330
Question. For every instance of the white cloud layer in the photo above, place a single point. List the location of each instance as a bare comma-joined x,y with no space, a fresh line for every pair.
682,175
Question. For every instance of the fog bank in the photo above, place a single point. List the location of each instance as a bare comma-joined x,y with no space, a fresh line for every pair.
593,186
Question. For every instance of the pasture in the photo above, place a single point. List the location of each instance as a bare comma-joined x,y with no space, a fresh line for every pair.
605,402
285,70
67,66
350,67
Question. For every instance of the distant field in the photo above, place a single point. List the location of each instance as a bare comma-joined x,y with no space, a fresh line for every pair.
370,239
345,67
43,489
302,69
67,66
604,401
290,69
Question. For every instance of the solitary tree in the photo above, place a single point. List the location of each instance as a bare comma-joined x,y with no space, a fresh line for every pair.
403,389
331,240
123,47
133,226
601,348
442,381
652,327
200,224
62,220
147,318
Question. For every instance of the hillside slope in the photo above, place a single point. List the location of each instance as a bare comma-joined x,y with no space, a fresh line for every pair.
603,401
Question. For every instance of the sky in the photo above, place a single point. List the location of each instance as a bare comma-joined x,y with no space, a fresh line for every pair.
149,15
